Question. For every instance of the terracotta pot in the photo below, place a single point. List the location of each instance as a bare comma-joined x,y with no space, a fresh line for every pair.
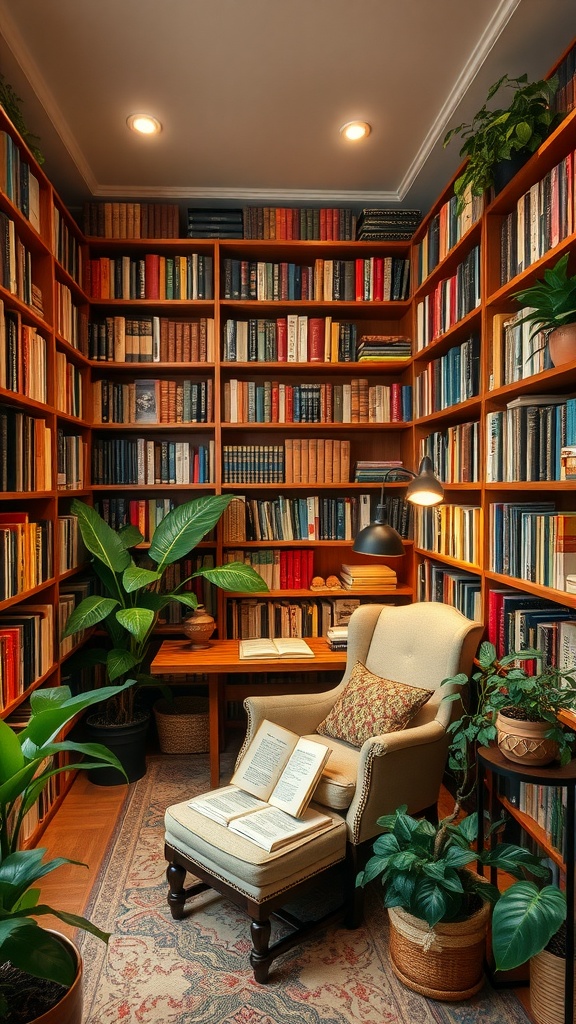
562,344
446,962
199,628
69,1009
525,742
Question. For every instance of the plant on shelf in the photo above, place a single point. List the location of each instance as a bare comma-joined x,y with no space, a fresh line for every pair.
431,892
132,596
498,135
26,768
502,688
551,306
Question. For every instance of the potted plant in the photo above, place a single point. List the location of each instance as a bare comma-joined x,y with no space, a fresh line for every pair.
505,135
439,907
503,701
32,958
130,602
551,306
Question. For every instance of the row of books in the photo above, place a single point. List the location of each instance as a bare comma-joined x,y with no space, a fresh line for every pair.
374,279
387,224
141,461
68,387
280,568
305,223
65,245
151,339
15,262
247,401
150,277
524,441
515,353
25,553
368,577
71,461
289,339
26,649
543,216
310,518
455,452
25,452
253,463
545,805
253,618
518,621
449,301
450,379
105,219
153,401
445,229
374,470
71,546
145,513
70,320
452,530
316,460
533,542
22,356
18,182
461,589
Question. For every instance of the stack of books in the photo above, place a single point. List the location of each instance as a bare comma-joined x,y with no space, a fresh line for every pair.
371,471
337,637
368,577
214,223
387,225
383,347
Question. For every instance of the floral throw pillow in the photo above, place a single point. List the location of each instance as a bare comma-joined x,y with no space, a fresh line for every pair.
370,705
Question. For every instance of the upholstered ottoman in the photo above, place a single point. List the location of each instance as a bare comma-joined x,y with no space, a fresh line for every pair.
258,882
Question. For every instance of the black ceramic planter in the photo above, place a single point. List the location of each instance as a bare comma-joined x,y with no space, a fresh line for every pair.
128,742
505,170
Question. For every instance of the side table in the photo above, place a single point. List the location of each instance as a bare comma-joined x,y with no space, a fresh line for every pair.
492,763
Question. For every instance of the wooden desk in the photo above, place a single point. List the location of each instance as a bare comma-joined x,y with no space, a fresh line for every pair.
175,657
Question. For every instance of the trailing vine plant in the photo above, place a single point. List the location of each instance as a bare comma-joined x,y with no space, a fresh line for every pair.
11,103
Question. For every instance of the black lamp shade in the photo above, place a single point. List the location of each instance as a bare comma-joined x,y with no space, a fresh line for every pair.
379,539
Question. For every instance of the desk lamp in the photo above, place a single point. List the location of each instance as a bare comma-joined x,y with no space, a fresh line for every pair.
424,489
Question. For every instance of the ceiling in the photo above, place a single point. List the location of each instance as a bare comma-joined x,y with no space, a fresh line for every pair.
251,93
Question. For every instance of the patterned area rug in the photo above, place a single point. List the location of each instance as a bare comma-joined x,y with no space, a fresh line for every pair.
159,971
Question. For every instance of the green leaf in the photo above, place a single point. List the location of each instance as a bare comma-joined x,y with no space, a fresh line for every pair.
235,576
190,600
34,950
100,539
118,663
90,611
138,621
524,920
11,757
130,535
44,725
185,526
135,578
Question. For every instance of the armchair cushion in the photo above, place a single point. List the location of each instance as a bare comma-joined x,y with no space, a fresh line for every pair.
370,706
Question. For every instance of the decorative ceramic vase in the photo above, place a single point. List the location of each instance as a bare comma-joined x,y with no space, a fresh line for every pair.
525,742
562,344
445,962
199,628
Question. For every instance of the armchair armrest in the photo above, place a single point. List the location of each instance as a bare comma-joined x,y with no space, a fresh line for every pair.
300,712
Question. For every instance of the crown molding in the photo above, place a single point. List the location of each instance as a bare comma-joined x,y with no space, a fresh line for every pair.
249,195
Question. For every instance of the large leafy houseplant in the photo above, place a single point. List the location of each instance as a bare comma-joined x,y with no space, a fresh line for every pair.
551,301
132,597
499,685
496,135
26,767
425,870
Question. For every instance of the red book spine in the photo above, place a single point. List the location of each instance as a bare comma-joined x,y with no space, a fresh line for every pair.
323,235
290,569
283,570
274,401
378,279
152,275
359,280
395,403
316,339
281,339
289,404
309,576
297,569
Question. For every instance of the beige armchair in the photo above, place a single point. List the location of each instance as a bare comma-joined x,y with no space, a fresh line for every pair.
417,644
420,644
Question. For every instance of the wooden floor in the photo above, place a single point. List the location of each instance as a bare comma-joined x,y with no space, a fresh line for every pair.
82,829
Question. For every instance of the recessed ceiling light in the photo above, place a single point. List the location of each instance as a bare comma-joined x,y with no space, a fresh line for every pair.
355,130
144,124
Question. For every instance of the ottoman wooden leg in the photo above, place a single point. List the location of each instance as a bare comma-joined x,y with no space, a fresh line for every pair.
178,894
260,957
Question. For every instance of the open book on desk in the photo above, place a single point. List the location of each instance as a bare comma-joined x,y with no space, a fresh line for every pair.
281,647
273,785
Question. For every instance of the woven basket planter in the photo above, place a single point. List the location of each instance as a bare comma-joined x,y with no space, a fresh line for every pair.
547,984
446,962
183,725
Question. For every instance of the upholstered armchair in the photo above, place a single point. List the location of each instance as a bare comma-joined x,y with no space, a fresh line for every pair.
418,644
